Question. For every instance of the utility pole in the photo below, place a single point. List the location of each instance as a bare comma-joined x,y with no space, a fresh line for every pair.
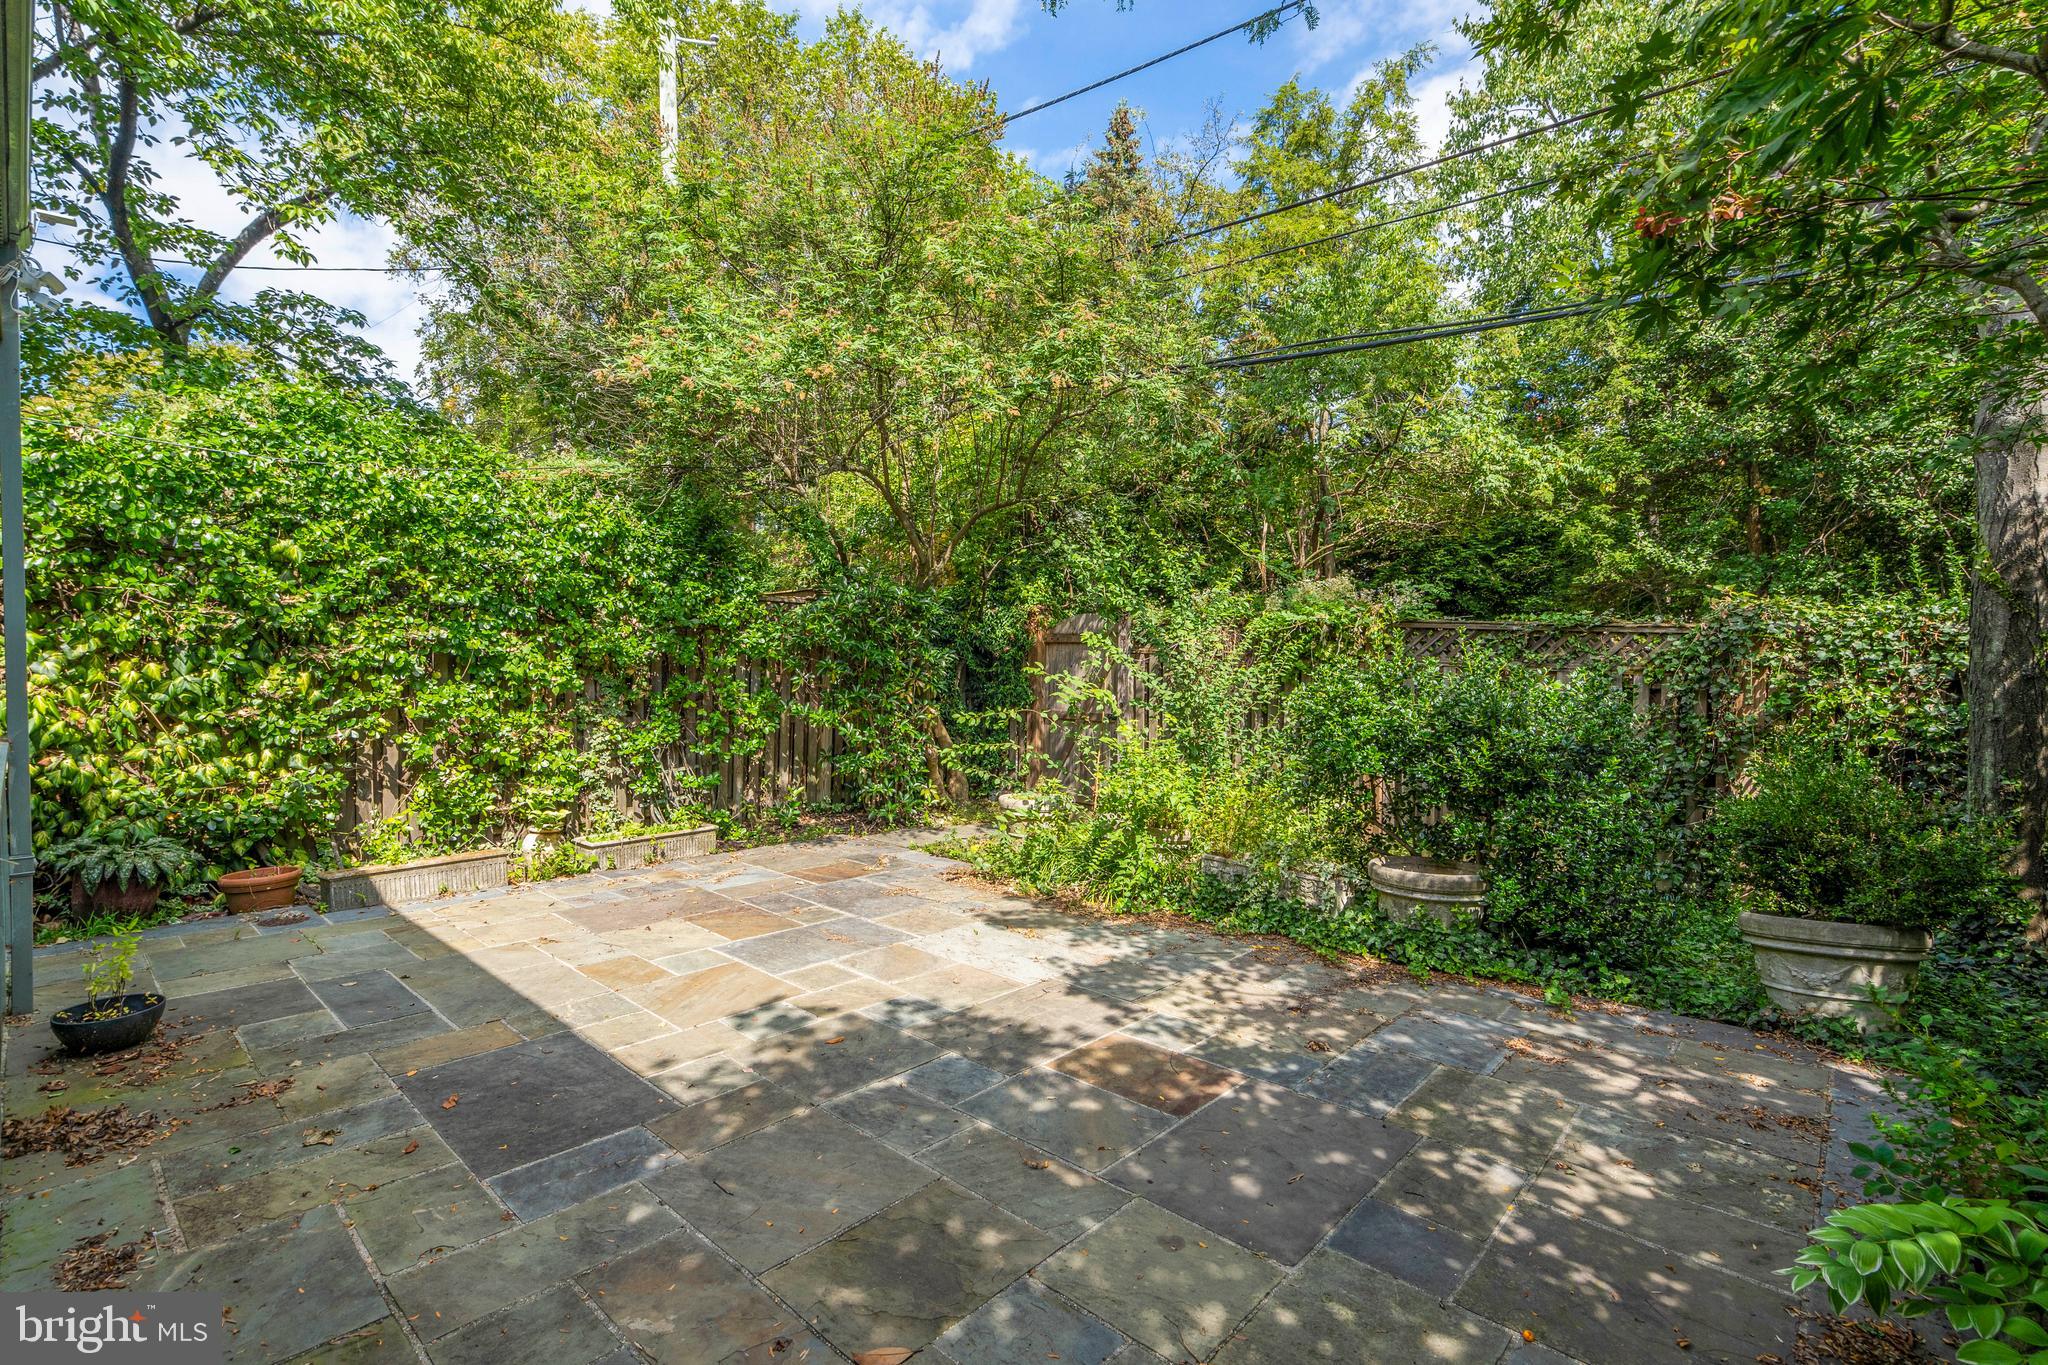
671,103
17,37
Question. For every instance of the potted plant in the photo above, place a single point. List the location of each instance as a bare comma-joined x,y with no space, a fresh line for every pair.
119,867
260,888
111,1017
1842,876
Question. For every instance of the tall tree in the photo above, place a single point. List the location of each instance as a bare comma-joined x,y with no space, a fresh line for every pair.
1849,163
886,337
298,109
1312,451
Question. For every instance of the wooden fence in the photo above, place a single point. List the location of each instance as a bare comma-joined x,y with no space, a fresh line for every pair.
1052,738
798,756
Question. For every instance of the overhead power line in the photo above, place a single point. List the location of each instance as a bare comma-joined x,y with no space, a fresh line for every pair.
1289,10
78,250
1443,159
1373,226
1457,327
1401,336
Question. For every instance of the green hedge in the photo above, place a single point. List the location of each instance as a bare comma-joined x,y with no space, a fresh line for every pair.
239,580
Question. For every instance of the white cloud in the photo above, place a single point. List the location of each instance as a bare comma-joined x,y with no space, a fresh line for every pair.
1433,102
1055,162
987,26
354,251
1376,25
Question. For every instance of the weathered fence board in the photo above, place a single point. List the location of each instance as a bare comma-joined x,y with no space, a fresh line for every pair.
1053,738
796,757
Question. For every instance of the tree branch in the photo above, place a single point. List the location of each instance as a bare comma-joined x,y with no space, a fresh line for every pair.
1952,43
90,43
149,288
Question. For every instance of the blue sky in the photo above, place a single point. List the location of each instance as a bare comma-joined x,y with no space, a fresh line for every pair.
1029,55
1024,53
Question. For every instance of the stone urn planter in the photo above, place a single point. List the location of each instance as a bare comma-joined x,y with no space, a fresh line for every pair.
1443,890
1830,967
259,888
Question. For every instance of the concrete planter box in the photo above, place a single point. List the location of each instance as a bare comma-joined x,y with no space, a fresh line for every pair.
1830,967
1328,889
354,888
643,850
1444,891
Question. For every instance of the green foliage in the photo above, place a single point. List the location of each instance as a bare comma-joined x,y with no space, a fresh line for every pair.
109,966
1984,1263
1551,782
300,112
243,582
1825,835
1880,672
559,860
121,852
895,342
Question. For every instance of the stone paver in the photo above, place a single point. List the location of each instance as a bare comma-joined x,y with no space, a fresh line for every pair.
682,1302
1162,1281
792,1103
1336,1309
1266,1166
910,1272
1027,1322
774,1193
261,1274
1167,1081
515,1105
1073,1120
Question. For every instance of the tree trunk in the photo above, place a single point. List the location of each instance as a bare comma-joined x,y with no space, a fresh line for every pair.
2008,677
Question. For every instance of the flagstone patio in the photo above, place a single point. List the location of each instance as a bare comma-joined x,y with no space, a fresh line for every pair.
810,1101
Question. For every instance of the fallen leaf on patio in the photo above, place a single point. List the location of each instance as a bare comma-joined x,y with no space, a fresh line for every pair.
320,1137
411,1147
840,1039
1038,1165
449,1103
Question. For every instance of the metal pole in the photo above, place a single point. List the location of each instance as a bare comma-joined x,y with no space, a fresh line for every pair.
671,99
20,890
671,120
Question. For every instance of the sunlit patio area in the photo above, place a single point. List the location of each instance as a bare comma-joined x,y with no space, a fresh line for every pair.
838,1100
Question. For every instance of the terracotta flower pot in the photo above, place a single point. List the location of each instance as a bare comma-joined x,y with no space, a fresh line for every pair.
260,888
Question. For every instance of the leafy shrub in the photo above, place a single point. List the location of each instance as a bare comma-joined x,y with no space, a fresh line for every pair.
125,853
109,968
1827,836
1983,1262
242,580
1552,782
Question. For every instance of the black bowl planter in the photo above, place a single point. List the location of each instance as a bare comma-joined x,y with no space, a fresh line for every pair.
135,1018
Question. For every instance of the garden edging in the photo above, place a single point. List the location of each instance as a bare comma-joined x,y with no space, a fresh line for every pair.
357,888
